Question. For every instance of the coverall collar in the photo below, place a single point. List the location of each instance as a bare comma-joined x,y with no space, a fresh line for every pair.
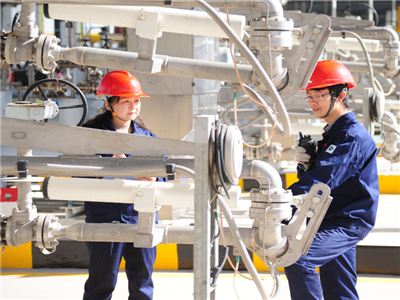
328,127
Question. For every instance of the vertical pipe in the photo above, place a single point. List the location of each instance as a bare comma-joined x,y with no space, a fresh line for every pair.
24,199
28,11
202,220
334,8
370,12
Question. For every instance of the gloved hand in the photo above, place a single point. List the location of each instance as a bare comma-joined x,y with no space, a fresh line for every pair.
302,157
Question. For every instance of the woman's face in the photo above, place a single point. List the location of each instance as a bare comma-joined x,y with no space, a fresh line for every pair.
127,108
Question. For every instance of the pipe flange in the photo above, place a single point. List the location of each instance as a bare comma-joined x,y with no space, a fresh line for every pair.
391,49
277,195
44,238
276,40
275,212
3,228
10,51
45,45
39,231
272,24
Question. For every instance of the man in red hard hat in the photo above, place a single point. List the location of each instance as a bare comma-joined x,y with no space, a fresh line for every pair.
346,161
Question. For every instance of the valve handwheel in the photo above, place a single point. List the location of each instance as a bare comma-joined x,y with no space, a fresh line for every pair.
57,82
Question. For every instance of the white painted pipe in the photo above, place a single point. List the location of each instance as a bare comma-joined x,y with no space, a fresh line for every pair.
264,173
351,44
124,191
171,20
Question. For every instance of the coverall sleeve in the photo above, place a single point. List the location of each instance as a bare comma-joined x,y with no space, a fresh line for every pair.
332,167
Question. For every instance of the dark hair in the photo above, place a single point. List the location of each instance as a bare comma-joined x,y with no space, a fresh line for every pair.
106,117
336,90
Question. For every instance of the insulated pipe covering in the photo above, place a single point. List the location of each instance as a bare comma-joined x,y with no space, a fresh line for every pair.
118,191
170,19
125,191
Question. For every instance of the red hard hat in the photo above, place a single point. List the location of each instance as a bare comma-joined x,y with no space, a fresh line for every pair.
328,73
120,84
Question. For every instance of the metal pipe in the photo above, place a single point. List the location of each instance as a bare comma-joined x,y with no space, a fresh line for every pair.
374,32
242,248
98,167
28,11
263,76
370,69
170,19
279,129
117,191
264,173
106,232
173,66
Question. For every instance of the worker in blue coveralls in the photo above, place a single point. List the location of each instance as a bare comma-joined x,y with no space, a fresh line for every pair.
121,92
345,161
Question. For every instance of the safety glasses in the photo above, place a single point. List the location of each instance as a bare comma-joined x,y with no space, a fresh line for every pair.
315,98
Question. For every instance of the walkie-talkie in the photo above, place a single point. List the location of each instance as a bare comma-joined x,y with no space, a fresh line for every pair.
307,143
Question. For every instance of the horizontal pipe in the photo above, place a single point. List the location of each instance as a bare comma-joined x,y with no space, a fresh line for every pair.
95,167
126,191
170,19
172,66
118,191
173,234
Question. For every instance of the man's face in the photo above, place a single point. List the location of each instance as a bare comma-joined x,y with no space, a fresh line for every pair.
319,105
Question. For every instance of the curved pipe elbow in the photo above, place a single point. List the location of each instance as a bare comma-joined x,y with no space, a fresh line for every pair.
269,8
264,173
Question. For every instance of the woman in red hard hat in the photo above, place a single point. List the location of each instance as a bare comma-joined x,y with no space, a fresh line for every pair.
121,92
345,161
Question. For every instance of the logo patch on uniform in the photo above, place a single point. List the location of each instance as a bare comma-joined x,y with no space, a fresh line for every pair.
331,148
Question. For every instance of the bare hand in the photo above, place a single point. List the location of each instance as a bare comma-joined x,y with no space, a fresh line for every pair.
119,155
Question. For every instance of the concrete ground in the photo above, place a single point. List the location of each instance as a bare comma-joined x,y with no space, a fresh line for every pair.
55,284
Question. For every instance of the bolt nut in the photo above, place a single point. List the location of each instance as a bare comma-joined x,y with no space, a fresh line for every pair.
316,30
310,214
310,45
316,200
139,194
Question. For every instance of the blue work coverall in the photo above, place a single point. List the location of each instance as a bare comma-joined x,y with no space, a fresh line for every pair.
346,162
105,257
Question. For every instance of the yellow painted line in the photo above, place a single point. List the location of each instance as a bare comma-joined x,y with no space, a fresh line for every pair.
388,184
167,257
17,257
